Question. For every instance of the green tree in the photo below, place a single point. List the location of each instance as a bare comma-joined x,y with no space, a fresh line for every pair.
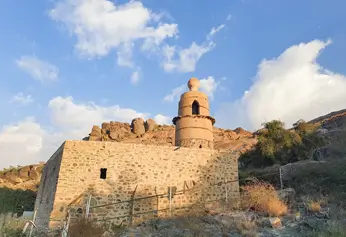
279,145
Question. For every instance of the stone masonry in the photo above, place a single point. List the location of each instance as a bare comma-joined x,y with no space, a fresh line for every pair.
152,169
127,183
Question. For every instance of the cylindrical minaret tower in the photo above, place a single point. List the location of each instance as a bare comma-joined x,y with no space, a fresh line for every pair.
193,125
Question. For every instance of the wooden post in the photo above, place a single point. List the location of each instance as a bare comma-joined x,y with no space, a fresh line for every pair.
33,223
88,207
132,206
170,200
226,190
281,183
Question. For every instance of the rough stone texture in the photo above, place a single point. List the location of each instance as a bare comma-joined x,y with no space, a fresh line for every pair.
163,135
152,169
95,131
26,177
137,126
150,125
46,192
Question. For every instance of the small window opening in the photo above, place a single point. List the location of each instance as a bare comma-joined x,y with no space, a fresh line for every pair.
200,146
195,107
103,173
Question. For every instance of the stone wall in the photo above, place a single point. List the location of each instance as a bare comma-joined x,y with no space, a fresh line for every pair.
47,189
135,171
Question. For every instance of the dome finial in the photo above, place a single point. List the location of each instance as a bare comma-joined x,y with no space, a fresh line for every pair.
193,84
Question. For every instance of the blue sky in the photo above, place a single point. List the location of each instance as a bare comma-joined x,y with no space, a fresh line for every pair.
68,64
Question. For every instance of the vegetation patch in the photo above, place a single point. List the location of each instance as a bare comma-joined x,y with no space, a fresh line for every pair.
277,145
16,201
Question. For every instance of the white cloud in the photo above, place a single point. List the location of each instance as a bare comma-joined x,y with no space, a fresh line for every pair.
101,26
38,69
214,30
187,58
66,113
229,17
21,99
125,55
135,77
175,93
161,119
291,87
208,85
20,143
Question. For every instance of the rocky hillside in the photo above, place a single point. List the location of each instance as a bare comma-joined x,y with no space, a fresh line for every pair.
148,132
26,177
139,131
333,127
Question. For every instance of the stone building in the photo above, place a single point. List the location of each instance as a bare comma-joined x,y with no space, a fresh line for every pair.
125,183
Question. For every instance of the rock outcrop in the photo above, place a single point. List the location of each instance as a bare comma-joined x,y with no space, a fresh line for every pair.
148,132
333,127
26,177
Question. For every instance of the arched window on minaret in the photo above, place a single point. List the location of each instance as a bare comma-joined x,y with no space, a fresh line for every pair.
195,108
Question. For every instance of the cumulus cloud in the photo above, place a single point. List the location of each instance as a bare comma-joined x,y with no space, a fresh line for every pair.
20,142
162,119
66,113
21,99
101,26
186,59
208,85
290,87
38,69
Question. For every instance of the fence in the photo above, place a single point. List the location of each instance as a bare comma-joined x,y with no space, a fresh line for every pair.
275,175
171,195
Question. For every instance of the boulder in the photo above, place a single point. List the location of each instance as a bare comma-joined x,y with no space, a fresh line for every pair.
150,125
95,131
137,126
106,126
24,173
94,138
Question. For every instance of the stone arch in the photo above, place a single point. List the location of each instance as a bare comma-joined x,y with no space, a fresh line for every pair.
195,108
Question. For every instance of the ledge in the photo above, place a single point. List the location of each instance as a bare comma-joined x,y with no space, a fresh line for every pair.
175,119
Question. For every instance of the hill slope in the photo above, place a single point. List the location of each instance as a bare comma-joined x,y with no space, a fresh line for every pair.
333,127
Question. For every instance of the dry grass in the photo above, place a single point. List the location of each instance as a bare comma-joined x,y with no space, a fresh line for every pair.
85,228
315,206
262,197
12,227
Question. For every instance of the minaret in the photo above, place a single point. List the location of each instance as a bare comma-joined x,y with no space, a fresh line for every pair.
193,125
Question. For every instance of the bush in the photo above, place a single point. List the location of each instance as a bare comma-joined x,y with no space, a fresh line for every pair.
277,145
263,197
86,228
16,201
13,228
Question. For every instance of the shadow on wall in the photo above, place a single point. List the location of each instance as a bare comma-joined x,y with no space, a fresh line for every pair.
130,201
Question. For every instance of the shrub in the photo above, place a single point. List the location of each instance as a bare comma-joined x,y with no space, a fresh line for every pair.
263,197
86,228
16,201
279,145
13,228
